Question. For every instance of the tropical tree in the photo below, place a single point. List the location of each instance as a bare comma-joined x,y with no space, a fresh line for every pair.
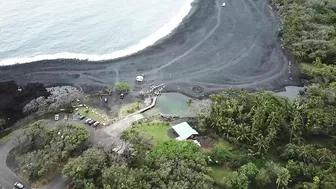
109,90
257,121
122,87
126,86
283,177
100,92
118,86
189,102
48,148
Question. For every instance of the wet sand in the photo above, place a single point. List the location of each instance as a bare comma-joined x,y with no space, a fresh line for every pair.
214,48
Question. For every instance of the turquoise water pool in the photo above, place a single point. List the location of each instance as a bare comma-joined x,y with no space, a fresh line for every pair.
171,104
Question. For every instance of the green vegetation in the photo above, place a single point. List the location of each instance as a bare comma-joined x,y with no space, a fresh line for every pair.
264,141
158,131
109,90
309,28
2,123
189,102
172,164
319,72
7,137
219,172
131,108
88,112
51,147
122,87
260,122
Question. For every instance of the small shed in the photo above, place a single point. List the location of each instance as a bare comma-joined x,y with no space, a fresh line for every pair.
184,131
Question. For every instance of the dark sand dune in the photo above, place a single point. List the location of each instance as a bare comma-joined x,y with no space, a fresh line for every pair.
214,48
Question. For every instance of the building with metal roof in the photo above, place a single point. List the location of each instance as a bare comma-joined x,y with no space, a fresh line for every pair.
184,131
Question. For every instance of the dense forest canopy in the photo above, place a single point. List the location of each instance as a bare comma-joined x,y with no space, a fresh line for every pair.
41,151
309,28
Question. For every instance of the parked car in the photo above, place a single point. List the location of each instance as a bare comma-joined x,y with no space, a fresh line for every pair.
122,96
105,100
92,122
96,124
88,120
56,117
18,185
81,117
66,117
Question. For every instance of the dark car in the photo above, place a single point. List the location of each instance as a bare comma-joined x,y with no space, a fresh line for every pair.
122,96
81,117
91,122
18,185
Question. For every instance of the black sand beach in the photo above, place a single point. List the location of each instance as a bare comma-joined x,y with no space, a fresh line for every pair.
213,49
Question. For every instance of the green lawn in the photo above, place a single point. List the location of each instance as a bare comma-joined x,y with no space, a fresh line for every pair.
92,115
7,137
156,130
219,173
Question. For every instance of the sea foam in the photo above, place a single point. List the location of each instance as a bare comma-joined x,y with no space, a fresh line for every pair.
148,41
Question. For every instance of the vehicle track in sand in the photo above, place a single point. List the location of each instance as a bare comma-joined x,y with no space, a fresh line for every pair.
215,48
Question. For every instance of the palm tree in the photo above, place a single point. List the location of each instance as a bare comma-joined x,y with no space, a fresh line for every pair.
100,92
118,86
109,90
283,177
294,127
126,86
189,102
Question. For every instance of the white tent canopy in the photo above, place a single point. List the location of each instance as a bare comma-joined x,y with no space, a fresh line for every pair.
139,78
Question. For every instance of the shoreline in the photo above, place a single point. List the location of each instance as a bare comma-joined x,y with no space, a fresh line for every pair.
250,56
162,33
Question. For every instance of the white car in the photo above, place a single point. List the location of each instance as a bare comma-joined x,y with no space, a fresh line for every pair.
96,124
223,5
88,120
18,185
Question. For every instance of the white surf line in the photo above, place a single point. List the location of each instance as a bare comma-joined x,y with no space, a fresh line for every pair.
199,43
162,32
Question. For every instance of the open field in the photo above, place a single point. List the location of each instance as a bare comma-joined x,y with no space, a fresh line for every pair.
156,130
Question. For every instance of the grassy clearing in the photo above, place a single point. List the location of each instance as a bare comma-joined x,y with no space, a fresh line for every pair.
219,173
89,112
7,137
223,143
156,130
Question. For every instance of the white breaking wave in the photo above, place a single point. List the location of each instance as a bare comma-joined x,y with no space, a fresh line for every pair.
148,41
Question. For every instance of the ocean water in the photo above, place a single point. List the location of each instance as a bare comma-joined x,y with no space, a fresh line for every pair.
33,30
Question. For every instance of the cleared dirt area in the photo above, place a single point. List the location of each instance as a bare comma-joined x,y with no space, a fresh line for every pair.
213,49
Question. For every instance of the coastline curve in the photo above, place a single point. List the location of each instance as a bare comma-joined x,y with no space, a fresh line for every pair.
163,32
